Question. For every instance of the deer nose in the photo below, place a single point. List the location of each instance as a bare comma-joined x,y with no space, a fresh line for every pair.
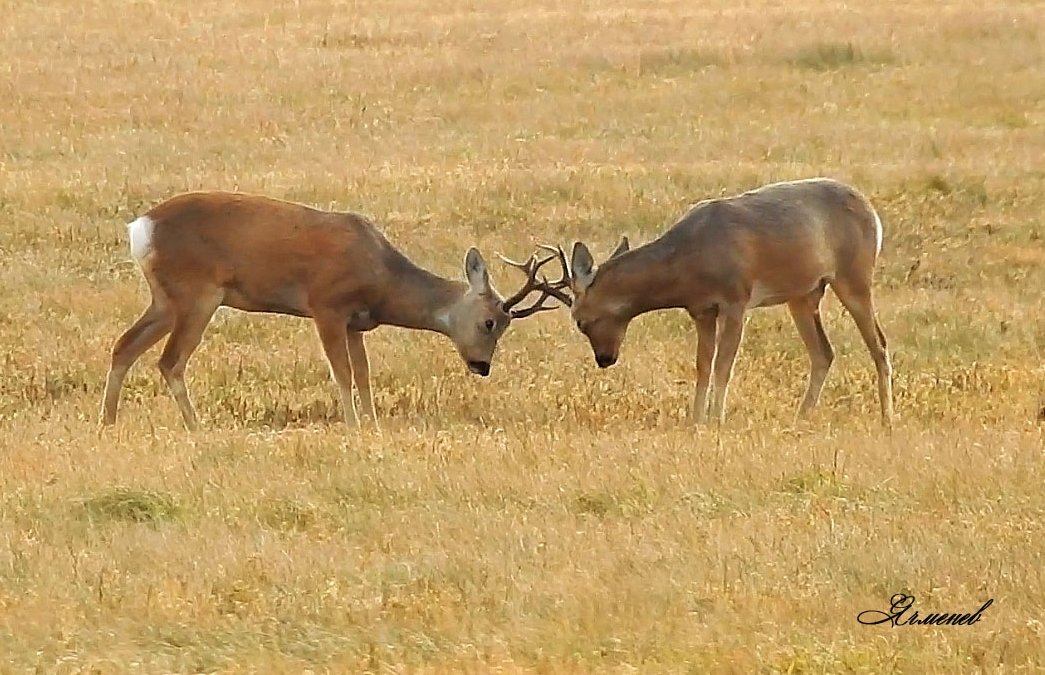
605,360
479,367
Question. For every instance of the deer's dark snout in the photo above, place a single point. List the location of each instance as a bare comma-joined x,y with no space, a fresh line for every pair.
479,367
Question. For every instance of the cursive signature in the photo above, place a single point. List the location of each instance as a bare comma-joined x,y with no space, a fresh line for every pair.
900,603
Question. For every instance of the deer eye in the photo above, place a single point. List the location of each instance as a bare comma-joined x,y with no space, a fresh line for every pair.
489,325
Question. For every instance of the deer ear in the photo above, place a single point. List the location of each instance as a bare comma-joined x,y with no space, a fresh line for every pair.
475,271
622,247
582,267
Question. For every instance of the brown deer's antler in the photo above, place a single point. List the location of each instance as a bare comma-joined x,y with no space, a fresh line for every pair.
548,289
564,280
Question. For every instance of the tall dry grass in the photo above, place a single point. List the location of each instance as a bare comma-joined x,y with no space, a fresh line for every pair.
554,517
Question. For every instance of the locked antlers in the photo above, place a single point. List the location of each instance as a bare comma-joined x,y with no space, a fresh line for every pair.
548,289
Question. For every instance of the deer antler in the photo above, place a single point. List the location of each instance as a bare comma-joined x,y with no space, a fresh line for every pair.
548,289
564,280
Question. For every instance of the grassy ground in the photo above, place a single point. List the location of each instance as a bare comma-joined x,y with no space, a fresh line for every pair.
553,517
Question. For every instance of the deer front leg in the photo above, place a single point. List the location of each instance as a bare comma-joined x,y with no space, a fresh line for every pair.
334,336
731,332
361,374
706,323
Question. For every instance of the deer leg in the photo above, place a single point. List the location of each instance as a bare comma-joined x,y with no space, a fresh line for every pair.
189,325
150,327
806,313
361,375
334,336
731,332
857,300
706,324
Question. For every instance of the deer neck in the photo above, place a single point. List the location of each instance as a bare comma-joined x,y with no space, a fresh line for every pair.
418,299
644,279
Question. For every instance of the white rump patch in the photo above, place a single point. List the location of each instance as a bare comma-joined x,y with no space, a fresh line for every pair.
140,232
877,234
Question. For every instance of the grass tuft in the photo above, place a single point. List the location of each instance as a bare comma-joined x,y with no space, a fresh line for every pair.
826,56
814,481
595,504
123,504
290,515
677,61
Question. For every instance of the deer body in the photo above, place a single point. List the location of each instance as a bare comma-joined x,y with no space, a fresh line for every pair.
200,251
783,243
279,257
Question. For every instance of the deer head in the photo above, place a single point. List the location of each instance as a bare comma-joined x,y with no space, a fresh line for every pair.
479,318
595,307
597,310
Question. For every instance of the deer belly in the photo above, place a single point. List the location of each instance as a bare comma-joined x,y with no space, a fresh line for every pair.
765,295
284,300
361,321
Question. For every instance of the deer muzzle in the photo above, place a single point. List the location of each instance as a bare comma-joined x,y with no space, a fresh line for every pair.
479,367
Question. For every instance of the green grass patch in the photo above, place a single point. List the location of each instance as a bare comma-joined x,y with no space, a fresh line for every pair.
130,505
814,481
826,56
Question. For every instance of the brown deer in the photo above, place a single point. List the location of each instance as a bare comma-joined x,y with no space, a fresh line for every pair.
781,243
200,251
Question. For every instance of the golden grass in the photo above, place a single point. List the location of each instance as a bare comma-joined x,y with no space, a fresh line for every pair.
552,518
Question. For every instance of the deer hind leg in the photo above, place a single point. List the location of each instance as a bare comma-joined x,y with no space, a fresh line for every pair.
730,334
856,297
706,324
806,313
190,321
361,375
150,327
334,336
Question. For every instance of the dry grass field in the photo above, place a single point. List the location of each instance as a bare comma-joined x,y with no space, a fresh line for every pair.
553,517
